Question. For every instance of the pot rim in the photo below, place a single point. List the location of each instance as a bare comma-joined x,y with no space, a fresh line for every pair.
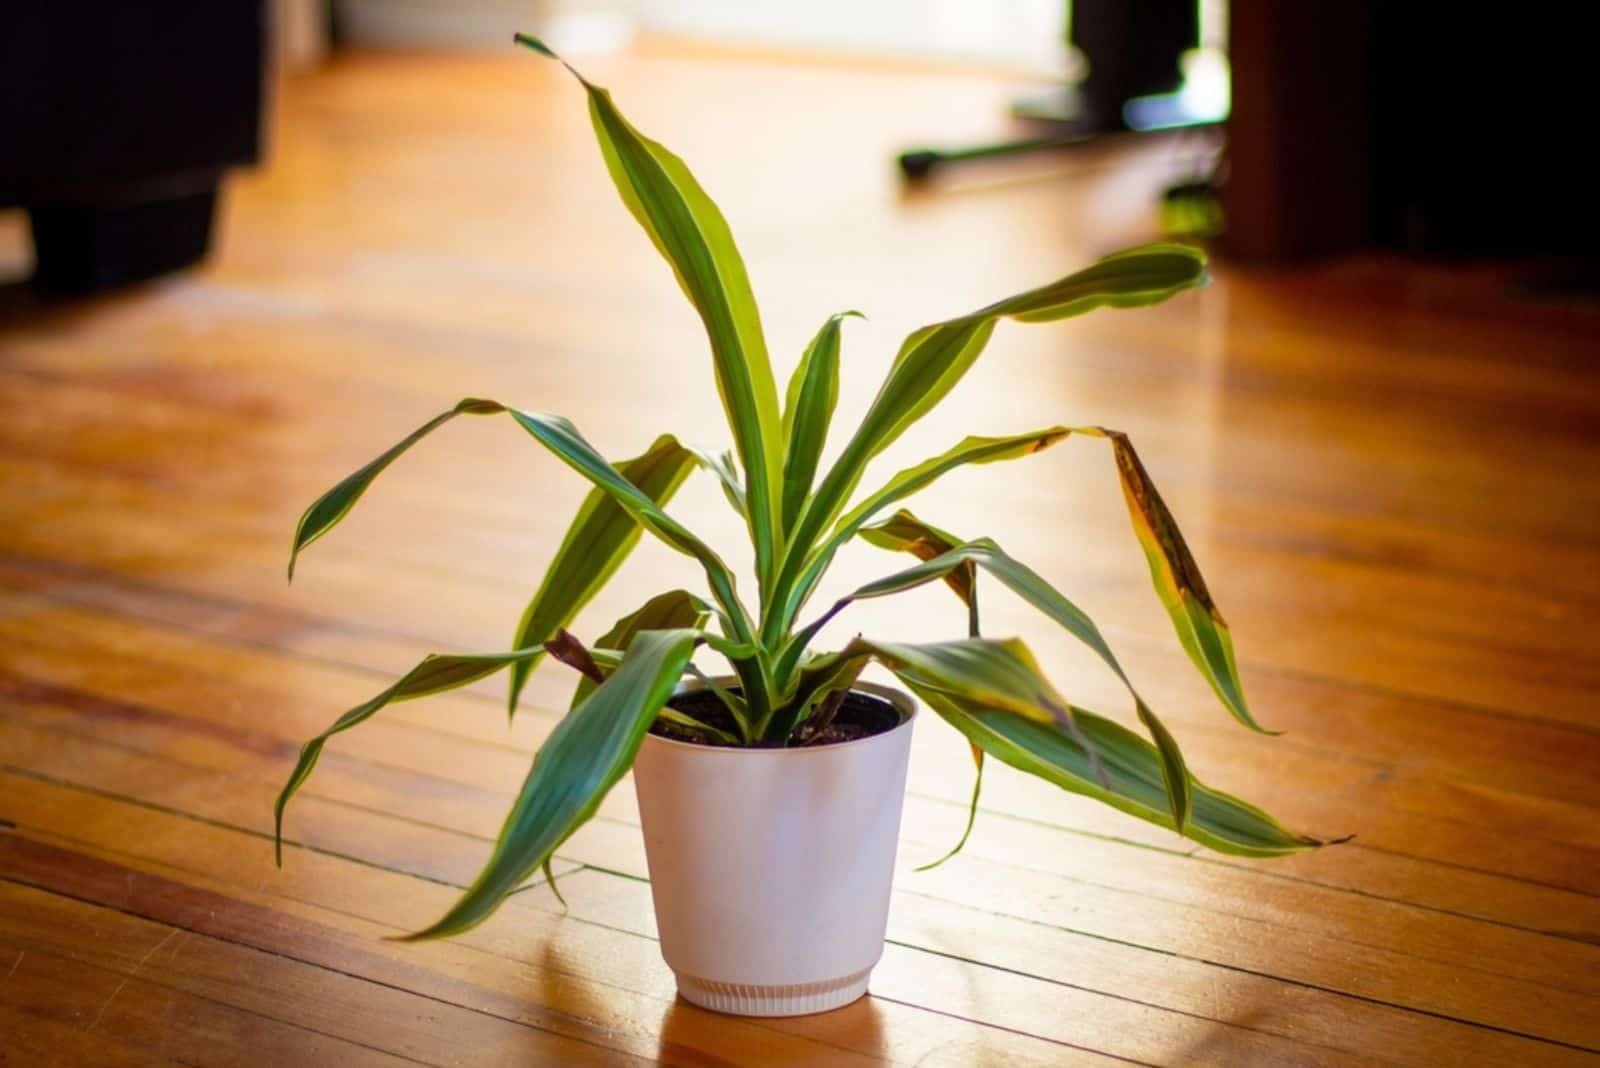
901,701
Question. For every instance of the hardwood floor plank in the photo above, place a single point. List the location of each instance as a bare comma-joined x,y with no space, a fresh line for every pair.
1077,1013
163,1021
33,1039
499,984
1105,956
325,999
386,785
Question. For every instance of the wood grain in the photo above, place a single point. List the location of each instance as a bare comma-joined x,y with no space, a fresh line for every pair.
1387,471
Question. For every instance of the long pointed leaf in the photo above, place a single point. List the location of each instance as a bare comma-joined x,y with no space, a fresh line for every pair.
589,750
933,359
435,674
972,811
1031,587
558,435
1176,577
971,450
1001,673
691,234
327,510
904,532
807,411
1134,779
600,538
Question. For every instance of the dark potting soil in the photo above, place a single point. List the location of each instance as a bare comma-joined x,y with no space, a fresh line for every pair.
860,716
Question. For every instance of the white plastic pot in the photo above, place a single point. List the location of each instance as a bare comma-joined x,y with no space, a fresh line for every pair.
771,868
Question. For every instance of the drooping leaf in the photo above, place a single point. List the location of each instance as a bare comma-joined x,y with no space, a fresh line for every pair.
933,359
970,450
972,810
326,511
1134,778
904,532
600,538
1177,580
558,435
1031,587
1000,672
807,411
435,674
691,234
589,750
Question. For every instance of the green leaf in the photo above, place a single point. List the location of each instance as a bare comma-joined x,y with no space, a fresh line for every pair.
562,438
1134,777
590,749
688,722
434,674
808,686
905,533
1001,673
720,463
528,40
1031,587
1177,580
328,509
972,811
970,450
673,610
571,652
833,677
600,538
737,706
933,359
807,411
691,234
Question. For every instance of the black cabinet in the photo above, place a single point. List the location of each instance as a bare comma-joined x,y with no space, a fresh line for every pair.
117,123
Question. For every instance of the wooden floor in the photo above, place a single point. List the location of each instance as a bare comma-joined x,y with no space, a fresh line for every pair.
1388,473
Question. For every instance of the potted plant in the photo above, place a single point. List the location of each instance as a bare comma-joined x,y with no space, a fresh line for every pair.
770,797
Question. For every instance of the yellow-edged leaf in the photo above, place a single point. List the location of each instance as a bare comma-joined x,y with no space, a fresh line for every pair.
600,538
691,234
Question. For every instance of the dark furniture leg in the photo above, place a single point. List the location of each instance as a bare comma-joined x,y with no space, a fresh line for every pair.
83,247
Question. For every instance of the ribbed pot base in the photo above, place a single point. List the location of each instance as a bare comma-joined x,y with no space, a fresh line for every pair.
795,999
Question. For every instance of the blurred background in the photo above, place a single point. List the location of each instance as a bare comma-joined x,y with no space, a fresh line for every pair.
1296,130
